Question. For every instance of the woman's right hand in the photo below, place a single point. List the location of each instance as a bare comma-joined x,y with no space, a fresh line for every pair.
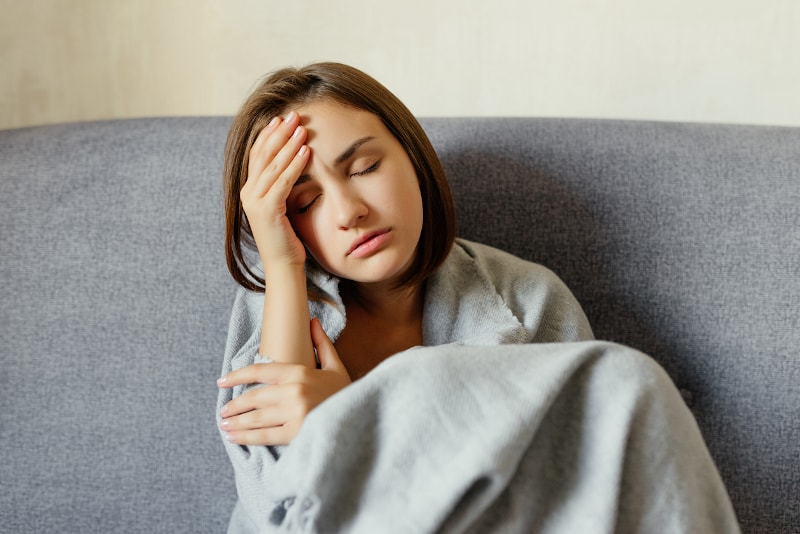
276,160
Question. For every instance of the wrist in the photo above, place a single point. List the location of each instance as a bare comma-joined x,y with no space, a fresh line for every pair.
282,269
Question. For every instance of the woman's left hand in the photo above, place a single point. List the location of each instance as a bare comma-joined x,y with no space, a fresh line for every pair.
273,415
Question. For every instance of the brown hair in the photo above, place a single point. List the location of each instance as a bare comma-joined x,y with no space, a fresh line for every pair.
289,88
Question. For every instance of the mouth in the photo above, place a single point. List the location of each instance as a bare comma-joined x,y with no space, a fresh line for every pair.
368,243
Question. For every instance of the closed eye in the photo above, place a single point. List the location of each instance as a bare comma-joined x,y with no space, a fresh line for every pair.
307,207
371,168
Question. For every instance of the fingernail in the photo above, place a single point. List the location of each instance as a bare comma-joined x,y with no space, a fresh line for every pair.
221,380
291,115
273,122
296,131
224,411
230,436
225,424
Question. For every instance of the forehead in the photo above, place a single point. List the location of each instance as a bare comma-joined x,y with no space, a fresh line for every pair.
332,124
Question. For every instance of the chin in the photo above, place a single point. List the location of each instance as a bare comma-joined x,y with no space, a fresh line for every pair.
385,266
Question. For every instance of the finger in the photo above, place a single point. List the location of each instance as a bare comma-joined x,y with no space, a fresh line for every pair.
280,169
256,156
262,137
279,435
266,417
256,398
266,407
268,142
328,357
260,373
269,157
284,170
281,188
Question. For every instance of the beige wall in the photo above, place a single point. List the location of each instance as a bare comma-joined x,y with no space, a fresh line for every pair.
696,60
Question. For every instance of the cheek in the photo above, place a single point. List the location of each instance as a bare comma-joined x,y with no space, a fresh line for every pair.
307,229
409,199
304,228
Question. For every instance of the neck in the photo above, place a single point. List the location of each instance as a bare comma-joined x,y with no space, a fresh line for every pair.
404,304
379,324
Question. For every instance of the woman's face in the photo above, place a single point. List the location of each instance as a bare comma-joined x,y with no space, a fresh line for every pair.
357,206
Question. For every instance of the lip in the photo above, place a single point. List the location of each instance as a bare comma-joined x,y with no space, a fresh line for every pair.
368,243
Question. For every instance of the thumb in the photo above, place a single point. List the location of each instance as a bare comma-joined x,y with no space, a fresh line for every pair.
326,352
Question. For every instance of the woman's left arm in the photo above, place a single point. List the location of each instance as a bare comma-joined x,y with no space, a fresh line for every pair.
273,415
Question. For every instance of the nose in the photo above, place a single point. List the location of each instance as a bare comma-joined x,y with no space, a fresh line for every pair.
349,207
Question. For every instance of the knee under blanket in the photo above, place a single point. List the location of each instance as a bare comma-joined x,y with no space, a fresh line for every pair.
567,437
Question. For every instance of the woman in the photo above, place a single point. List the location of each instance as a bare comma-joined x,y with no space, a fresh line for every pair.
333,184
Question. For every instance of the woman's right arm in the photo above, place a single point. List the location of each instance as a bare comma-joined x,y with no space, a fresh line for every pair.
276,160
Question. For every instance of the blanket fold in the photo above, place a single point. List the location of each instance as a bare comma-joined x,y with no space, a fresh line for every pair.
566,437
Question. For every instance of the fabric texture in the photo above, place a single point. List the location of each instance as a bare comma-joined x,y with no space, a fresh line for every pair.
550,438
114,304
454,436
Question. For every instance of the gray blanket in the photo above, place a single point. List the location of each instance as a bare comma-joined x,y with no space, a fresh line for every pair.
567,437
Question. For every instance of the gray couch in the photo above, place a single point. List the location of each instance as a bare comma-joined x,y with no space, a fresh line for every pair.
682,240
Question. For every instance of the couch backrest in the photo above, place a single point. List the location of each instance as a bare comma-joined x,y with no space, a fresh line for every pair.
680,240
115,301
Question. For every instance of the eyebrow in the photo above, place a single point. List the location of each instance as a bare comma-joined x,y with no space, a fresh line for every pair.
347,154
341,158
